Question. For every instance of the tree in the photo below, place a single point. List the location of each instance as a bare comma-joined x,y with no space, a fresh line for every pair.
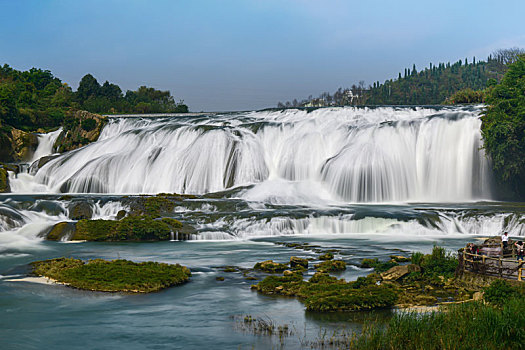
111,91
88,87
503,127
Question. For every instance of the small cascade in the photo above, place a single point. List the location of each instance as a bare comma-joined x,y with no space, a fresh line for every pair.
45,144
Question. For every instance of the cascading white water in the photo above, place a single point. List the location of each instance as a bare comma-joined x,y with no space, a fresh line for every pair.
339,154
45,144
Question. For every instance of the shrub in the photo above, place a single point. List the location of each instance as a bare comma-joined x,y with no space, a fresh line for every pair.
88,124
417,258
439,263
499,291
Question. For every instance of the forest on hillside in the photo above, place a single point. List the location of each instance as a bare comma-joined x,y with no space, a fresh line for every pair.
430,86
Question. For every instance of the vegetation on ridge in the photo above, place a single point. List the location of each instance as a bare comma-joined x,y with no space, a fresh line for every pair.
37,99
432,85
503,127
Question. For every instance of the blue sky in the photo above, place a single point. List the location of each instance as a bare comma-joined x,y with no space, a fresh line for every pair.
239,55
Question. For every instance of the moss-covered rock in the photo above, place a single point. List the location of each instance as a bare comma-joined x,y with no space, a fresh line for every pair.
61,231
270,266
326,256
112,276
95,230
331,265
326,293
296,262
4,181
74,135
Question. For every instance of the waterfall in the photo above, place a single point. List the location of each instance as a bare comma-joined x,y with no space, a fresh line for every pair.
45,144
328,155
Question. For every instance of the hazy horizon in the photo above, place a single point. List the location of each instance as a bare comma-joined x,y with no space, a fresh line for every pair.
244,55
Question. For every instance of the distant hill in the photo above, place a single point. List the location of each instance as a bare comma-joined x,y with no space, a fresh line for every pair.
430,86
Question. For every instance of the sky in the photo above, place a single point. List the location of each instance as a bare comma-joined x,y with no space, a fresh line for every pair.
228,55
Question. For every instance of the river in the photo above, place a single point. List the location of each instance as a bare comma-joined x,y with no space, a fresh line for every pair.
369,182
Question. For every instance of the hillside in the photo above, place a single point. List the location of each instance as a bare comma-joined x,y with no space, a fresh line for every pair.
429,86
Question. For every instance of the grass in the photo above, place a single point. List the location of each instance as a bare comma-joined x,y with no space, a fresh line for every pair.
112,276
472,325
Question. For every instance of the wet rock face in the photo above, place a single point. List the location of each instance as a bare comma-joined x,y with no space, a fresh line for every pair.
80,210
397,272
42,161
61,231
17,145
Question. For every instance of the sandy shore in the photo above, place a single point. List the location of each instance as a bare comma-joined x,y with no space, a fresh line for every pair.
34,279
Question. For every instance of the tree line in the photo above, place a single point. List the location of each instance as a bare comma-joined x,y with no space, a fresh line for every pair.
37,99
429,86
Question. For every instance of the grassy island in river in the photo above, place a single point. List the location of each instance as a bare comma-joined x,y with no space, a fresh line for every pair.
112,276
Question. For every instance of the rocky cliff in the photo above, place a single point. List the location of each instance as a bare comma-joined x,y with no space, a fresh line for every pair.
80,129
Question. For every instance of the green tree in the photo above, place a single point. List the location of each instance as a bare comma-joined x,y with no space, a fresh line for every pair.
503,127
88,87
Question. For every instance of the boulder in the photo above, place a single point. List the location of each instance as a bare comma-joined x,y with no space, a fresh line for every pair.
397,272
298,262
79,210
477,296
61,231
